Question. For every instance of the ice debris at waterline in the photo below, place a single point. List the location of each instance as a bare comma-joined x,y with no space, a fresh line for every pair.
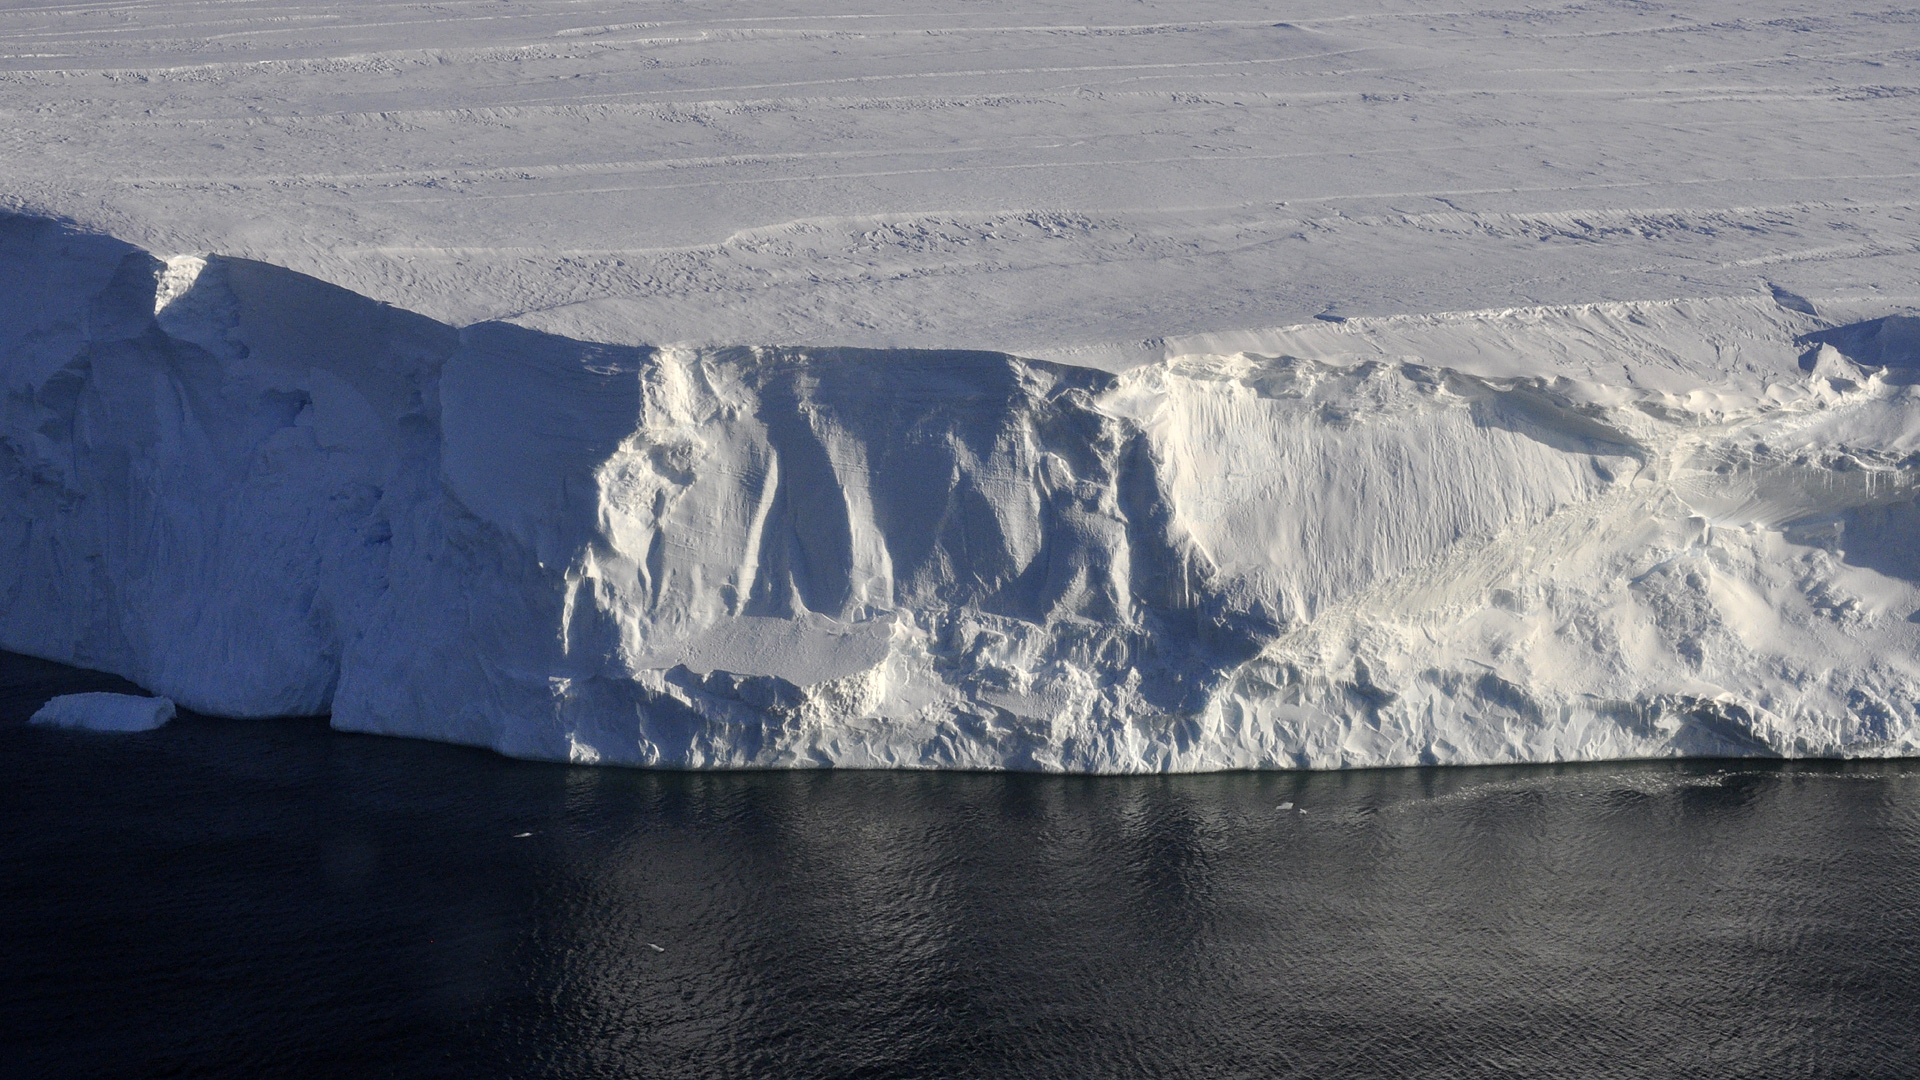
105,712
1683,533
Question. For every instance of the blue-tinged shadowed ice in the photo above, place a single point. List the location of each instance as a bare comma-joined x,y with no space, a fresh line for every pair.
105,712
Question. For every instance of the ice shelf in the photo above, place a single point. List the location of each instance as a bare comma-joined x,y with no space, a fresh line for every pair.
1562,533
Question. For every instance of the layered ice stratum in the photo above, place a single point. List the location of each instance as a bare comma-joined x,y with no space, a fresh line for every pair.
1552,534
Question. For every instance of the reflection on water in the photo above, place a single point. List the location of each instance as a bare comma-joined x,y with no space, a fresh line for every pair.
248,899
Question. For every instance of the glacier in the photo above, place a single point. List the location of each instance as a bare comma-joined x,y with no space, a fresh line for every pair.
1632,529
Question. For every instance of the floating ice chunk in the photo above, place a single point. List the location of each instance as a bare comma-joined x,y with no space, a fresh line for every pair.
106,712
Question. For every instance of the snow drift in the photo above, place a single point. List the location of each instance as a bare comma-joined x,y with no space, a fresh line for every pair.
1682,533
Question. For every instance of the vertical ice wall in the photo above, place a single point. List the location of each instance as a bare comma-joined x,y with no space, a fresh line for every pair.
261,495
205,457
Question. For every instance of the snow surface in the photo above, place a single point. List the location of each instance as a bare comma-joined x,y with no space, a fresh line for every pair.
1014,175
105,712
712,384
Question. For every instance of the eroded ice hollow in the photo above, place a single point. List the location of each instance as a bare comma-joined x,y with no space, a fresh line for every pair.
1621,530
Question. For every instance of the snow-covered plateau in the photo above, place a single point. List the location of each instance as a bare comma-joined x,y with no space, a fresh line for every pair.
1088,387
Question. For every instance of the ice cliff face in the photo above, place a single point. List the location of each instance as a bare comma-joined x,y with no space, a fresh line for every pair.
262,495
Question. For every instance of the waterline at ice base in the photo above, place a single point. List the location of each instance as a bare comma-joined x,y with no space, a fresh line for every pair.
1616,530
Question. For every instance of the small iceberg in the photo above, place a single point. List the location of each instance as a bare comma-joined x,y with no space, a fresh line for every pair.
105,712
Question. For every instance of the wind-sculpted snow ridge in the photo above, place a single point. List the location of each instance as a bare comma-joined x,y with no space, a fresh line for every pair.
259,495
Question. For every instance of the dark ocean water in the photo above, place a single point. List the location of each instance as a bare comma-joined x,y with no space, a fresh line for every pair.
256,899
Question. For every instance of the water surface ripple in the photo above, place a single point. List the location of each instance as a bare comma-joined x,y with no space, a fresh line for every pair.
227,898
